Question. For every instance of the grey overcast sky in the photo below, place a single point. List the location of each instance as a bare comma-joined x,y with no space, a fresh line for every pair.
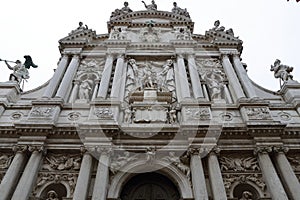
269,29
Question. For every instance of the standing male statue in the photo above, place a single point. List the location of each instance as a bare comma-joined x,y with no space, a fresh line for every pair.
151,6
20,71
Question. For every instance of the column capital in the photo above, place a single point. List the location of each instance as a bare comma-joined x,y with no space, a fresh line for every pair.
20,148
229,52
263,150
191,55
280,149
38,148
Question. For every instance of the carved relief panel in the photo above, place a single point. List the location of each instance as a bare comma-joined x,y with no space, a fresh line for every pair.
58,171
242,170
151,75
210,71
87,80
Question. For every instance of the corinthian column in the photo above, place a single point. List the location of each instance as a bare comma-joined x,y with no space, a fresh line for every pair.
82,185
234,83
102,176
269,173
241,72
198,179
55,80
182,77
106,74
196,85
30,173
117,81
215,176
286,173
13,173
66,82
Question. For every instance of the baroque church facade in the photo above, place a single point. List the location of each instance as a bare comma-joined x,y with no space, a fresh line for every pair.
150,111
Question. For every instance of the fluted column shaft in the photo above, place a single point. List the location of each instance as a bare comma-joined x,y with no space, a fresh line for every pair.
97,82
58,74
68,77
29,177
12,175
287,175
242,74
102,177
117,80
106,74
215,177
196,85
270,176
234,82
82,185
182,78
198,179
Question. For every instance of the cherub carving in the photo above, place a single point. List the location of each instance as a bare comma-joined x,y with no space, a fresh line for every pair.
282,71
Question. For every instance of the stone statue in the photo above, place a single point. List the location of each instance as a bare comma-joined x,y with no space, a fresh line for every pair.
81,27
172,115
150,154
151,6
19,74
217,28
246,196
85,88
52,195
126,9
127,115
282,71
180,11
214,79
164,76
122,11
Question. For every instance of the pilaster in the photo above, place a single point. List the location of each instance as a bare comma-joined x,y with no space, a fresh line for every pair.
234,83
106,74
14,171
288,177
269,173
65,84
198,178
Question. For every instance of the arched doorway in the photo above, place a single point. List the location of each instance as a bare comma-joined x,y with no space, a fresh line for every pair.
149,186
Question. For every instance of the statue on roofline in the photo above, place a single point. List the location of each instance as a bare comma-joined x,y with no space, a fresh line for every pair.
282,71
151,6
20,71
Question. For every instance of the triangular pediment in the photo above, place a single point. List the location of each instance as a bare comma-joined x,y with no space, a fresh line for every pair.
80,35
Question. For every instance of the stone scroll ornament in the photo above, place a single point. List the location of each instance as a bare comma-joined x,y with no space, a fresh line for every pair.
20,70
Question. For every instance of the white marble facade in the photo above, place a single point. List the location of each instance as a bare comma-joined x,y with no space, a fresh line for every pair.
151,110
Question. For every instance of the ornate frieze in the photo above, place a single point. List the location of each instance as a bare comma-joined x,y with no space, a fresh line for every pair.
257,113
238,163
118,161
103,113
178,162
47,178
208,63
150,33
295,162
198,113
42,111
5,160
230,179
61,162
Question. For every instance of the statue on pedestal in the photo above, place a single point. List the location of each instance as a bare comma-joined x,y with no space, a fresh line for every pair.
20,71
282,71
